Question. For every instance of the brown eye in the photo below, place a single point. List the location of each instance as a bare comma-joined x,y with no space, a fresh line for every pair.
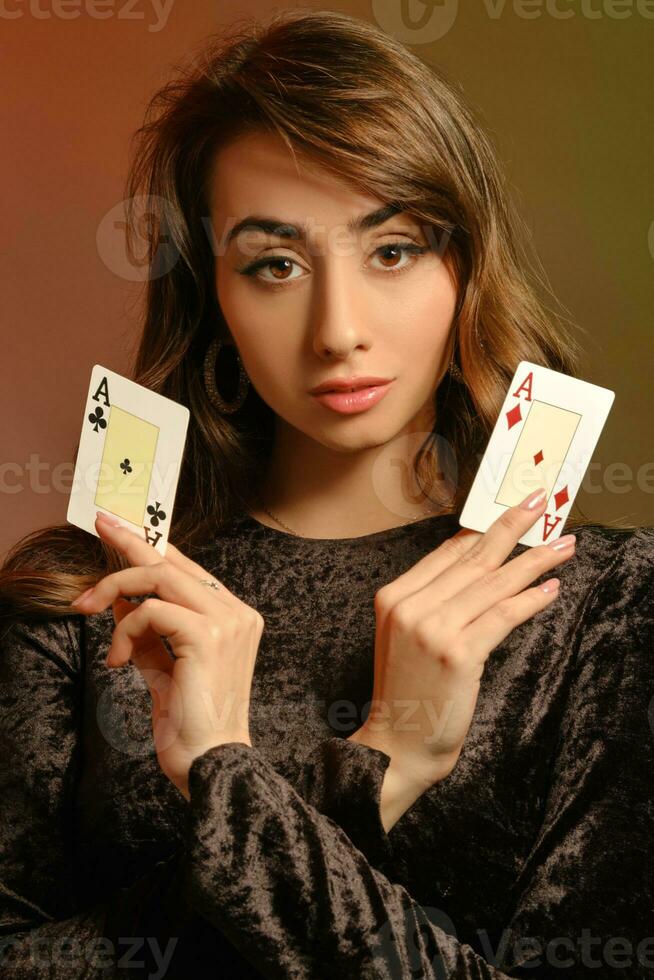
278,268
413,253
277,265
390,248
274,267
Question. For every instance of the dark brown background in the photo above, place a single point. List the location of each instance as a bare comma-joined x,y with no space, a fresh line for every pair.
568,101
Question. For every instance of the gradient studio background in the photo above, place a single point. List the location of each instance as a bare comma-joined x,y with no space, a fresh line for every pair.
565,87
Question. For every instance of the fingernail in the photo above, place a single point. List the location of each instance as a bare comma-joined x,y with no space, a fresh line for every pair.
565,542
82,597
107,519
534,499
551,585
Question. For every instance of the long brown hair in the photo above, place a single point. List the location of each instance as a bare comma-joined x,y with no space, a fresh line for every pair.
368,110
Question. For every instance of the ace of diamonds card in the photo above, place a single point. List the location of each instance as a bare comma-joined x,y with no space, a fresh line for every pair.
544,436
129,457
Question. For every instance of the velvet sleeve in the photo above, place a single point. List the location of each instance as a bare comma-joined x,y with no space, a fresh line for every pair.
344,783
588,881
291,891
42,931
43,934
40,713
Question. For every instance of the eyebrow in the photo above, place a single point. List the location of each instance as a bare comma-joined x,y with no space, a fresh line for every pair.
275,226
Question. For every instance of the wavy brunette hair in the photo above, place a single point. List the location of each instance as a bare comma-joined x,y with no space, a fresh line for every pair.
371,112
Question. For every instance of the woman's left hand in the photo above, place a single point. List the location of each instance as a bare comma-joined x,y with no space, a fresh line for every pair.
200,699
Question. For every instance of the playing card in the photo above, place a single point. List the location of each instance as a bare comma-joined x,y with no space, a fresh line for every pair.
544,436
129,457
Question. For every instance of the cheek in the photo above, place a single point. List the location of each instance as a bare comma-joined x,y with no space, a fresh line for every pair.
260,331
253,321
435,294
428,311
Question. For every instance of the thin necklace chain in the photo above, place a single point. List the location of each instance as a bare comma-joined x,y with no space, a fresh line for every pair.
270,514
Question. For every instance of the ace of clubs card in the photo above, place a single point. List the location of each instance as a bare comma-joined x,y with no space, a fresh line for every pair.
129,457
544,436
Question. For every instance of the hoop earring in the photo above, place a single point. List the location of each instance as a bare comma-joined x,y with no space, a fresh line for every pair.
454,368
210,358
455,371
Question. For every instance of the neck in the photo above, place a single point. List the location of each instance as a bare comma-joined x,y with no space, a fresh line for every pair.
331,493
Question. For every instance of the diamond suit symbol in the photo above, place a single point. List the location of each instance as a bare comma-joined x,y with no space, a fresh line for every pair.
538,458
514,416
561,497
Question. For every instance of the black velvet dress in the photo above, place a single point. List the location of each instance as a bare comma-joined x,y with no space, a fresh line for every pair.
532,859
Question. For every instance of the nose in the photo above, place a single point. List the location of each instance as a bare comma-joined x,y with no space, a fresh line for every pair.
340,320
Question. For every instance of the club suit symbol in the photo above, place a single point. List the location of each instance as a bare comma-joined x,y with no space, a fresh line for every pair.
125,467
156,515
97,420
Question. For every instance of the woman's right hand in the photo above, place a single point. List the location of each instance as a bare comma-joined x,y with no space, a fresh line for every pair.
436,626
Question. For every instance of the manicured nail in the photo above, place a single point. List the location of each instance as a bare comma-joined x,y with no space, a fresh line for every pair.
82,597
107,519
551,585
534,499
561,543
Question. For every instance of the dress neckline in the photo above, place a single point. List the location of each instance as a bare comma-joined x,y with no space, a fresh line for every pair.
426,523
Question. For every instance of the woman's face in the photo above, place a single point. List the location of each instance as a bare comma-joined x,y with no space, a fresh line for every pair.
332,302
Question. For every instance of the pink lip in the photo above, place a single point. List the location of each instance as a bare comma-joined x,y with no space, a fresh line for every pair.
349,402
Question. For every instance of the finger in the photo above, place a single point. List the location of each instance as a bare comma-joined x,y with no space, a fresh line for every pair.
486,553
175,557
136,550
151,654
164,579
139,552
488,630
457,559
502,583
434,563
163,619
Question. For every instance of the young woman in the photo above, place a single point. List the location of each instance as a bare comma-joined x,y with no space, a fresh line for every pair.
332,734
